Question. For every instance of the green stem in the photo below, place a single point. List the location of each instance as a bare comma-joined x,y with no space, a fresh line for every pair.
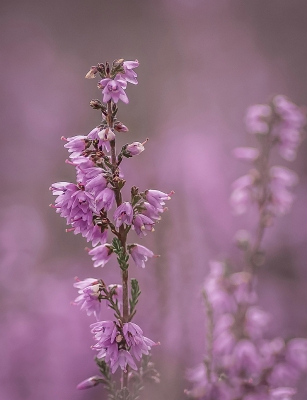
122,233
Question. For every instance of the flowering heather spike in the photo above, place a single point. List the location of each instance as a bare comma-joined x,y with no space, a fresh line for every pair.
87,207
240,363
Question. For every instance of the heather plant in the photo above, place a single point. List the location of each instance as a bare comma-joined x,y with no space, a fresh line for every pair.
241,362
95,208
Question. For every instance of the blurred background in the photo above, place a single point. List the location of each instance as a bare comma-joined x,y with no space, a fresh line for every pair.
202,62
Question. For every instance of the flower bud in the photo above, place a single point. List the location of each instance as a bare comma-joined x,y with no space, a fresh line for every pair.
91,73
119,127
135,148
89,382
96,104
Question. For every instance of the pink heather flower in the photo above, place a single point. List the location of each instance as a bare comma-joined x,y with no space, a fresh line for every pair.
88,299
246,359
288,129
256,320
104,330
156,198
136,148
243,290
137,343
123,214
281,198
95,135
256,118
90,382
82,165
216,289
223,344
106,134
270,349
123,359
113,89
73,203
96,184
92,232
216,389
140,254
198,376
152,212
296,353
130,75
75,145
246,153
141,224
105,199
109,339
283,374
241,197
101,254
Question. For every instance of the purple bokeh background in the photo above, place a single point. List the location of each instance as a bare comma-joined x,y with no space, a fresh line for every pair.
201,64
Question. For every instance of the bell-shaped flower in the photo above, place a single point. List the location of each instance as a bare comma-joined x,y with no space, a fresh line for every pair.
135,148
103,142
75,145
257,118
130,75
113,89
105,199
101,254
156,198
140,254
123,214
88,299
137,343
142,224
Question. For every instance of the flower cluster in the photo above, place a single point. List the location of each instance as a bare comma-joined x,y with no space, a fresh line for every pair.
93,207
240,362
280,124
117,343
